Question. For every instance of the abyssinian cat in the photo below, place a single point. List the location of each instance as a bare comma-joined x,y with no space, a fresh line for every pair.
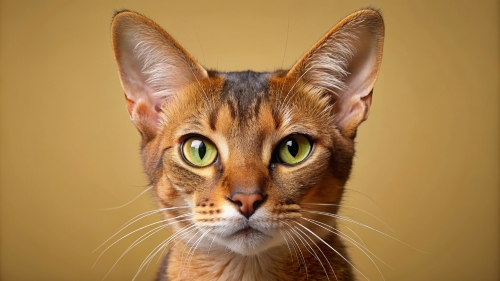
248,168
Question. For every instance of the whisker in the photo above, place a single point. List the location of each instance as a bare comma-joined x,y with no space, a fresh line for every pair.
204,62
294,249
147,213
292,242
121,206
197,243
364,225
297,247
130,233
208,253
373,200
283,61
291,97
193,247
183,249
315,244
135,243
139,217
199,42
203,90
286,41
308,246
282,86
138,241
328,245
286,241
161,245
355,234
191,250
354,242
311,251
164,248
283,102
350,207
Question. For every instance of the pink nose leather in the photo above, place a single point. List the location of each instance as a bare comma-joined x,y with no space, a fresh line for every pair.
247,202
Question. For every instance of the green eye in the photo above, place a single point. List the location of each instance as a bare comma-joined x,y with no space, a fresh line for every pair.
294,149
199,151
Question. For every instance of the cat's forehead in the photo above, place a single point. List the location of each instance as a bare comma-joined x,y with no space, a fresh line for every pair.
244,111
242,98
245,82
247,109
244,91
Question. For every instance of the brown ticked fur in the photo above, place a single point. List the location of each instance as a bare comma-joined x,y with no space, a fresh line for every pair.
246,123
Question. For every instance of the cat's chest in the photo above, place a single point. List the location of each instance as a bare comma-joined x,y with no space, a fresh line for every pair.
277,264
254,268
222,265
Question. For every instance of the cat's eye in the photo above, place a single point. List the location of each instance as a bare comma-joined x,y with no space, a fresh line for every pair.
294,149
199,151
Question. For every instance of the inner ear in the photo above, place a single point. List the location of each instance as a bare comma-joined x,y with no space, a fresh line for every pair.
152,66
345,63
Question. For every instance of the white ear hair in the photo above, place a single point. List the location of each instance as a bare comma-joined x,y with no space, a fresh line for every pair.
152,66
346,62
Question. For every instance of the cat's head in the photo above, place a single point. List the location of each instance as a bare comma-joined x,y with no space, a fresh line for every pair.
240,155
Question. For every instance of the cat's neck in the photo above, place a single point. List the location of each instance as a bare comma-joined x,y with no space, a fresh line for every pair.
223,264
279,263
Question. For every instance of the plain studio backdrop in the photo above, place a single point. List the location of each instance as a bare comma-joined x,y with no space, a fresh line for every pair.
427,159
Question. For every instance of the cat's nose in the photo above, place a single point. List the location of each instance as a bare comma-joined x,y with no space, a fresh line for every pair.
247,203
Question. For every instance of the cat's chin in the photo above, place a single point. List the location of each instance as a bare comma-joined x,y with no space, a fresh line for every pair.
249,241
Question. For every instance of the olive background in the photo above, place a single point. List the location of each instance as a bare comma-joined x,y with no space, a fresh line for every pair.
427,159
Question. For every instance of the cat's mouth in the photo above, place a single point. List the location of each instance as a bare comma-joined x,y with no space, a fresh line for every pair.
247,241
247,231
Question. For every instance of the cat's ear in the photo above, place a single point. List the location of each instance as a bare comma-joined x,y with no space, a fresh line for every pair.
345,63
152,67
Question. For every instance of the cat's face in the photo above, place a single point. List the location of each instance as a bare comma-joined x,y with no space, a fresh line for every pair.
239,156
237,135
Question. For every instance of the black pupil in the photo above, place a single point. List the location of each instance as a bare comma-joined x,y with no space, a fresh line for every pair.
293,147
202,150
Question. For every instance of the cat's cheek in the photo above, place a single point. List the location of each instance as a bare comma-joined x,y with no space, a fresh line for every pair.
177,188
266,222
292,183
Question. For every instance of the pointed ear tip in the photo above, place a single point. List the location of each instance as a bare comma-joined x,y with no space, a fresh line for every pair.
124,13
370,12
123,20
118,14
372,15
123,16
119,17
367,19
119,11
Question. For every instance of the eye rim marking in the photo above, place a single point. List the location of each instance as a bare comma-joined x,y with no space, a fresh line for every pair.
203,139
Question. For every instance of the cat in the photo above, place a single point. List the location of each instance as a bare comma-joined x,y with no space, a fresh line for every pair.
248,168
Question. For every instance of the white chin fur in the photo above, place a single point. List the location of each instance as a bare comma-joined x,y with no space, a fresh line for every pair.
250,243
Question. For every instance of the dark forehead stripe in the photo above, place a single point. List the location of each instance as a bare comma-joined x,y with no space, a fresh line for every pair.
244,92
212,119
